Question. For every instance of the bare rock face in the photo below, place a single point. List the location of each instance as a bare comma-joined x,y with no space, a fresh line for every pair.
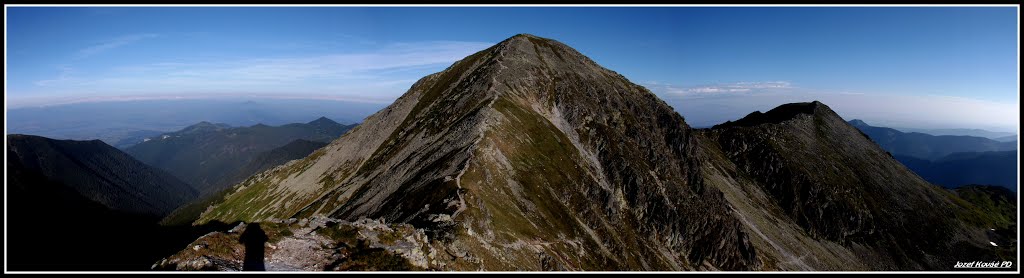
315,245
530,156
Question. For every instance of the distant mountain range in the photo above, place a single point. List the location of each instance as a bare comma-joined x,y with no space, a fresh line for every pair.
212,157
995,135
120,123
926,146
1011,138
949,160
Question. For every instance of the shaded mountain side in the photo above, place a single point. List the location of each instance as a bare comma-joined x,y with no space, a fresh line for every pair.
100,173
297,149
530,156
991,168
522,152
929,147
51,226
839,186
212,157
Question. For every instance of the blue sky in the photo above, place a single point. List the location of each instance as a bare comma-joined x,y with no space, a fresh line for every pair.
704,61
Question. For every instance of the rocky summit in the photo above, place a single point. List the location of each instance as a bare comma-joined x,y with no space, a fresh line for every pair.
530,156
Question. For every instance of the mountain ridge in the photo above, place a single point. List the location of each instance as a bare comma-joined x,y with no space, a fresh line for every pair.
530,156
473,111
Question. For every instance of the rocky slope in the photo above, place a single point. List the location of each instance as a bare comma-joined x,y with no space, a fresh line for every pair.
312,244
530,156
840,187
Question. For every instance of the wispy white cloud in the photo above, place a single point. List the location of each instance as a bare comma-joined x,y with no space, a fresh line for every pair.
346,65
383,73
71,99
64,75
112,44
718,89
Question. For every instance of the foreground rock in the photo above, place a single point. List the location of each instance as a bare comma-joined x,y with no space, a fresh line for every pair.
314,244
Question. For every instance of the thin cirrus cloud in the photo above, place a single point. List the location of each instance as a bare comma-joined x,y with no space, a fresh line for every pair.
721,89
382,73
708,105
65,75
112,44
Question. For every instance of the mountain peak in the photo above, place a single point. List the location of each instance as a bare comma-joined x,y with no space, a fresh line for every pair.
524,35
322,121
780,114
515,129
530,50
524,38
531,141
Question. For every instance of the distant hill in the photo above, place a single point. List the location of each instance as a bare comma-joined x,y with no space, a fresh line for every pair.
992,168
211,156
928,147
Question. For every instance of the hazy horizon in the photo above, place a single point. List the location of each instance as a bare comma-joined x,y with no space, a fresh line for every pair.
697,114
